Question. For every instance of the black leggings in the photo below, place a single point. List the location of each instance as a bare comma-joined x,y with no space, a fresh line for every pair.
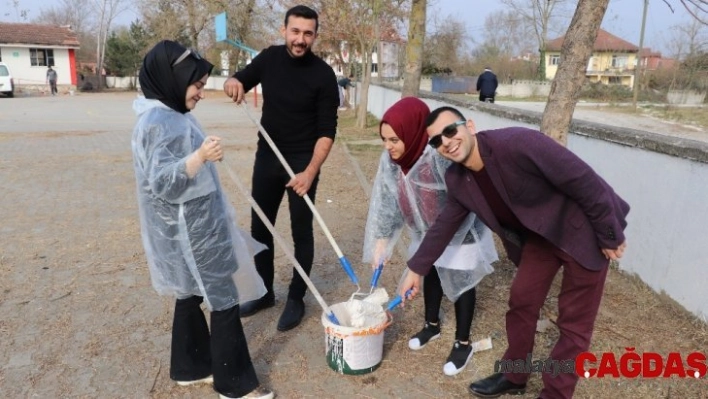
464,306
196,353
269,180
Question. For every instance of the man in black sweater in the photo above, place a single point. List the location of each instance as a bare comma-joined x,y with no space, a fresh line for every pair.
300,100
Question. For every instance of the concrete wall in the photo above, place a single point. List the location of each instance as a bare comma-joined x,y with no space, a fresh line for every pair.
685,97
213,83
662,178
524,89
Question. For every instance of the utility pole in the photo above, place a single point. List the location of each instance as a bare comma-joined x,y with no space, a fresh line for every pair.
638,67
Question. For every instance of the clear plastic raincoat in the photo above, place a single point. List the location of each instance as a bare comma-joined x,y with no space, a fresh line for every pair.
415,200
189,229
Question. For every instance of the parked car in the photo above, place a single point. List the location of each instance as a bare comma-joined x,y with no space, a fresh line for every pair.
7,85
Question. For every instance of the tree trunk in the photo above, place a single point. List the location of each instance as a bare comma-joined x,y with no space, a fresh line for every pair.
361,110
414,49
575,53
99,45
542,64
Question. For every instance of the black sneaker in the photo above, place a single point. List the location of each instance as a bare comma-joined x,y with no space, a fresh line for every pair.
427,334
460,355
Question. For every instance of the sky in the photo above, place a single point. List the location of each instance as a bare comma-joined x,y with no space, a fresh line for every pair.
623,17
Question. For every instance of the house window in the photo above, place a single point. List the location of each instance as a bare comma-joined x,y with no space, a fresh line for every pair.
615,80
619,61
41,57
554,59
374,67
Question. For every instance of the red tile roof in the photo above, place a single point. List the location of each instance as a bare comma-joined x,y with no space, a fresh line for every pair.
36,34
604,41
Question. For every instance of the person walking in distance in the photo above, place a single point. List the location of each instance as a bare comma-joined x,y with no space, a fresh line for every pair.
52,80
550,209
345,84
487,85
300,100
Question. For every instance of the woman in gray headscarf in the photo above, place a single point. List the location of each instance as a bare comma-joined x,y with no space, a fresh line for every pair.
195,251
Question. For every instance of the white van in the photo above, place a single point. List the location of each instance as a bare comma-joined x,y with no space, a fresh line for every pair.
7,85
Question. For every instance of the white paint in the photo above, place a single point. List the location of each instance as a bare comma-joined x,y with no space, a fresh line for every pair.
378,297
668,223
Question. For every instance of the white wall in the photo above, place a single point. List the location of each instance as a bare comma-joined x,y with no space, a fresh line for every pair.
213,83
667,231
26,74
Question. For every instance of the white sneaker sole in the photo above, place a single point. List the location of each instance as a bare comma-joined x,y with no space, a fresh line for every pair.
268,396
207,380
415,345
449,368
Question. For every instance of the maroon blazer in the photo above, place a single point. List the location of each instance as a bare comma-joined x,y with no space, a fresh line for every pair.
550,190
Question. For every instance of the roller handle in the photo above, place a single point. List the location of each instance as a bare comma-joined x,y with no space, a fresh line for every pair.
397,300
348,268
377,274
333,318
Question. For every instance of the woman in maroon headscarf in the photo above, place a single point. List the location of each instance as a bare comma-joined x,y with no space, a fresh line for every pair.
410,190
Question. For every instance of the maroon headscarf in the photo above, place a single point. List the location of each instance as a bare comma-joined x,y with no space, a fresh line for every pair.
407,118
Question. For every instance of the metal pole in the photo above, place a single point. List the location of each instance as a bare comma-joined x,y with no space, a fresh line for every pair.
638,67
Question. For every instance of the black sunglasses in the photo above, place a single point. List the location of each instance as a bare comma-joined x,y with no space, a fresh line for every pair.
448,131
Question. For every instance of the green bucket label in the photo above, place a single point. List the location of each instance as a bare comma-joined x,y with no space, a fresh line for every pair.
354,354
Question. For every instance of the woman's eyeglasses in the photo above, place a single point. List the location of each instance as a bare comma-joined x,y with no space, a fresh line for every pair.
185,55
448,131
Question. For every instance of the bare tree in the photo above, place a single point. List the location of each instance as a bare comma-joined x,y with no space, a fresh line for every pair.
180,19
21,14
414,48
689,38
107,10
355,22
78,15
506,31
538,16
575,53
697,8
445,46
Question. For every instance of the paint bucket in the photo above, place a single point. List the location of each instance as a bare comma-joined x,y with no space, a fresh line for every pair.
355,350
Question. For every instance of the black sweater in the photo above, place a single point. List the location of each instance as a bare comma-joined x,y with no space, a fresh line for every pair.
300,98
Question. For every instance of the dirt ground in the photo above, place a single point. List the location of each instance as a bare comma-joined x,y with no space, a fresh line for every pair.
79,317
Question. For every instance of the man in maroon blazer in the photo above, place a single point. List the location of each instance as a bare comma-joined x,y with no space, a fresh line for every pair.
550,209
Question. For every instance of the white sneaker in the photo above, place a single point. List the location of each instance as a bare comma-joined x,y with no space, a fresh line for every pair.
427,334
259,393
206,380
458,359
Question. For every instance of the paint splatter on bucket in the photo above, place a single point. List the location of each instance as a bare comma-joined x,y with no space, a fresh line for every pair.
355,350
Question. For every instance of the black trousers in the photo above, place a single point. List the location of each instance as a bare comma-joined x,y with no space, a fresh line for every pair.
464,306
53,86
195,354
269,180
